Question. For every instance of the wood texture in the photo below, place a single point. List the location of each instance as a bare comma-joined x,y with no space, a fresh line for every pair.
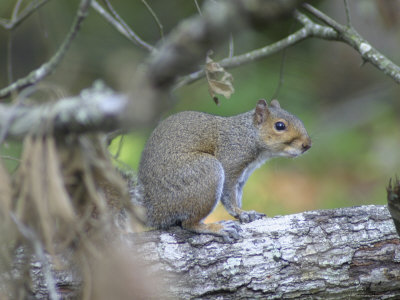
328,254
346,253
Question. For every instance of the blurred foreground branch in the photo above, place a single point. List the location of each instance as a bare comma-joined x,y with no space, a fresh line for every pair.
95,109
329,254
182,51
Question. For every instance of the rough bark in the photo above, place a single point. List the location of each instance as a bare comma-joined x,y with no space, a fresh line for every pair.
328,254
347,253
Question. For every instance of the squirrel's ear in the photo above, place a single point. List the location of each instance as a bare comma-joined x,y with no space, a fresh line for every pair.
275,103
261,112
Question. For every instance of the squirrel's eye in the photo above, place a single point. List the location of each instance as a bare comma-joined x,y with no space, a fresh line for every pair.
280,126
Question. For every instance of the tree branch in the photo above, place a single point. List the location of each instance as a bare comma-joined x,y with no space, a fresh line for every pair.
192,36
95,109
17,19
189,43
334,31
351,37
47,68
319,254
310,29
347,253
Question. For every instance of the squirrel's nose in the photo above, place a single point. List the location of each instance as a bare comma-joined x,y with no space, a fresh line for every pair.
306,145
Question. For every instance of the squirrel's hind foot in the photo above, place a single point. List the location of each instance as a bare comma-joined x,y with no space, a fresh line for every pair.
250,216
229,231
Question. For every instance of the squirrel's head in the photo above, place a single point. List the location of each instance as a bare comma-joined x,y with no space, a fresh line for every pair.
282,133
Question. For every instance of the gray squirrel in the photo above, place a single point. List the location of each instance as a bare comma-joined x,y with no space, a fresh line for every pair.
192,160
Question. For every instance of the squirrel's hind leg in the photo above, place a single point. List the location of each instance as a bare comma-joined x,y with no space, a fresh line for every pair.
203,189
229,232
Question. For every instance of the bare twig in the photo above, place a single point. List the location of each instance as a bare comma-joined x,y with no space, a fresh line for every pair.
48,67
159,24
324,18
198,7
334,31
316,30
348,18
251,56
281,77
117,22
16,9
231,46
187,45
18,19
351,37
9,58
10,158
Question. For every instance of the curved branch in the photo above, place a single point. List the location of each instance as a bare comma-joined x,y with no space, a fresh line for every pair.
238,60
48,67
333,31
310,29
156,19
188,44
351,37
18,19
121,26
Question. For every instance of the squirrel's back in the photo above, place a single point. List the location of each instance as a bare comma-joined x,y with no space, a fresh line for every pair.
182,132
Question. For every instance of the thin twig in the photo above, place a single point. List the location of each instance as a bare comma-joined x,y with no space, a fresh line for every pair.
10,158
160,26
32,237
334,31
27,11
324,18
251,56
44,70
9,58
122,28
347,8
198,7
351,37
231,46
16,9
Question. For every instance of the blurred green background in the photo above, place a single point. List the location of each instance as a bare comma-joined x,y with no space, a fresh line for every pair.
351,110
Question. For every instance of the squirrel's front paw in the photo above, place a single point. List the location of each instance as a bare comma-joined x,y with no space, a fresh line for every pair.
230,232
250,216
